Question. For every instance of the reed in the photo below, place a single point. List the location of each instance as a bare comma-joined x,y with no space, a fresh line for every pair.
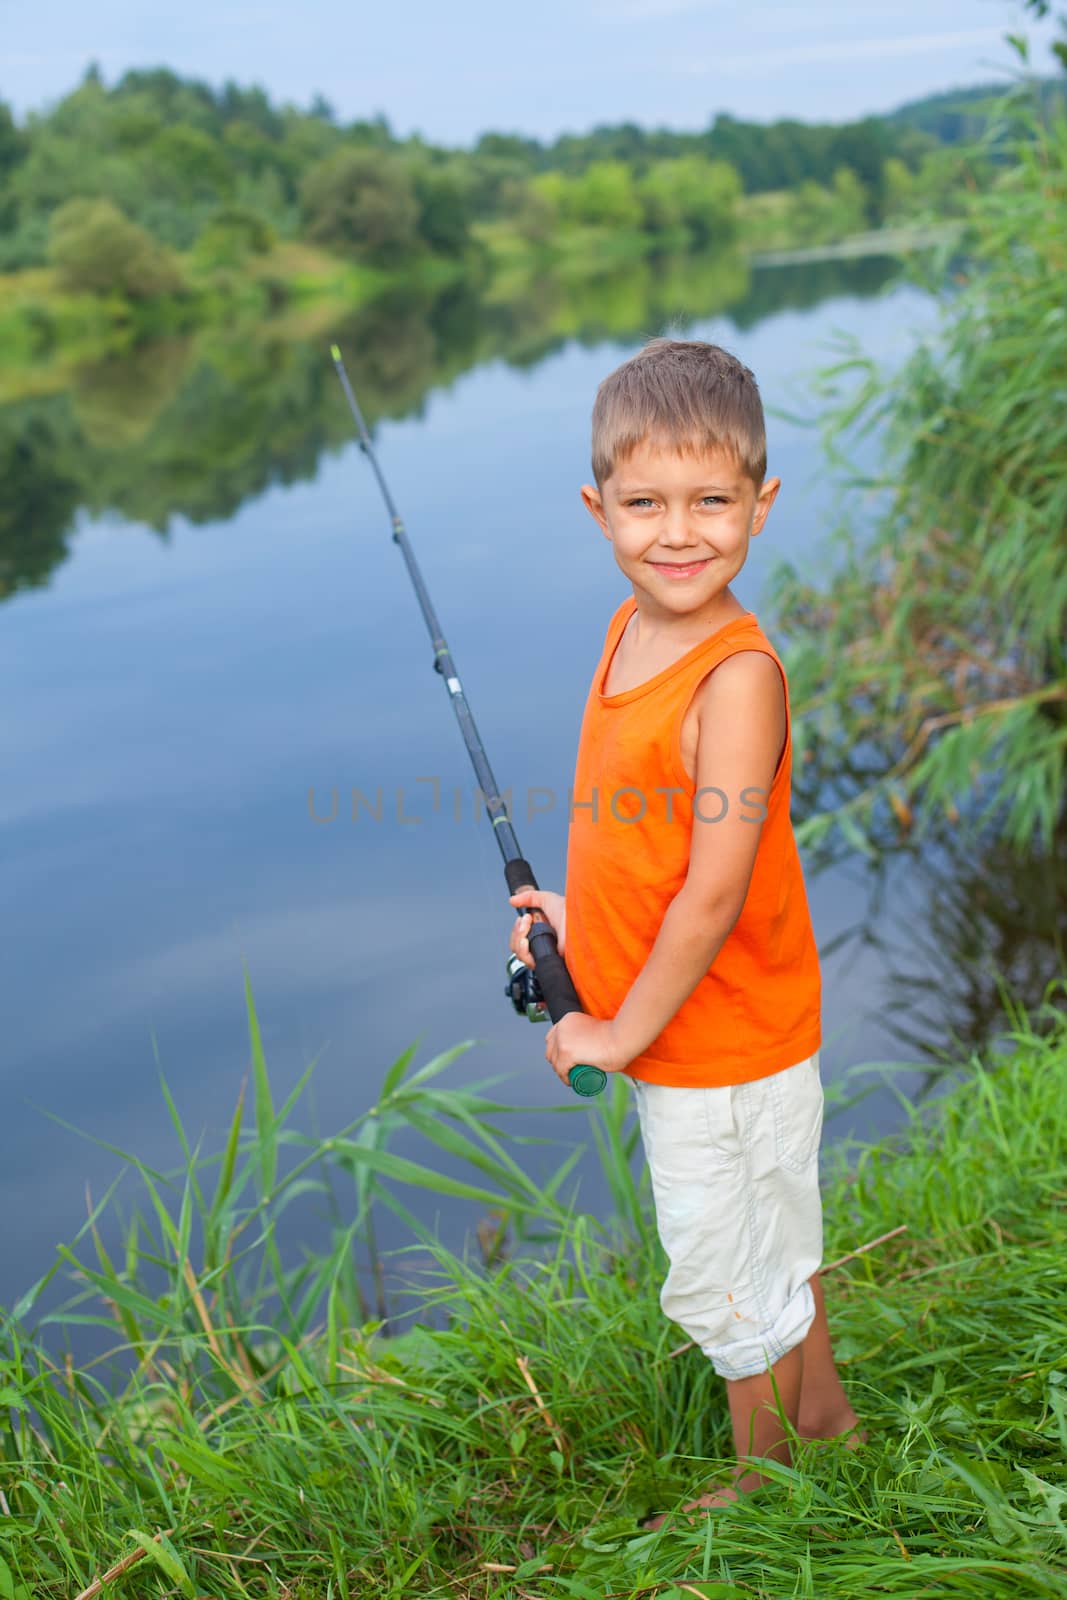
925,646
253,1431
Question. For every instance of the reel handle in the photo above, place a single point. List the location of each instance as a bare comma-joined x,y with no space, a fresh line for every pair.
561,997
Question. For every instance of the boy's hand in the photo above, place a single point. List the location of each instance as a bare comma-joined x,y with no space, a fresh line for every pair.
577,1039
551,906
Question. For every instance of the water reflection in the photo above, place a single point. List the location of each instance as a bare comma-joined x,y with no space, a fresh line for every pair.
195,427
971,920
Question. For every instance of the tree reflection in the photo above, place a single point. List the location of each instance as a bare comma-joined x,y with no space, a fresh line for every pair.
42,492
195,427
957,924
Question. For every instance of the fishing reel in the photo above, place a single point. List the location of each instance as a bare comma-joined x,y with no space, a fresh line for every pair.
524,991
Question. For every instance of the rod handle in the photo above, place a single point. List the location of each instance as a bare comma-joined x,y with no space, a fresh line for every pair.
561,997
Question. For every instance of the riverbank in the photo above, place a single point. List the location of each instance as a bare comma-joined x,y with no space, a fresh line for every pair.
48,333
510,1444
878,242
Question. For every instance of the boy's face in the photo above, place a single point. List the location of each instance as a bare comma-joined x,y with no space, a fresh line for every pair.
680,525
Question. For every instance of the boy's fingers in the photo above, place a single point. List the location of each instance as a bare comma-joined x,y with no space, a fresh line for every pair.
519,941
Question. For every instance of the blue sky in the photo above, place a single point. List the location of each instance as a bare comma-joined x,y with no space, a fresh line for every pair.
450,71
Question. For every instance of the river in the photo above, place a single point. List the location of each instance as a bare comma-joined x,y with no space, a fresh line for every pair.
211,623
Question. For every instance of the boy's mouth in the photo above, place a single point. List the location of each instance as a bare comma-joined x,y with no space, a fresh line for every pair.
679,569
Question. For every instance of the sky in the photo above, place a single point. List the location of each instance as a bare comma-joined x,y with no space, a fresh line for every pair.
452,71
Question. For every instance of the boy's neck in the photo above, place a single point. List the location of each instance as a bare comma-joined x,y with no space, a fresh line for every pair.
657,626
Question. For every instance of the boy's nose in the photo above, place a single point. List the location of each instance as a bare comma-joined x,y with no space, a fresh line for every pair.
676,531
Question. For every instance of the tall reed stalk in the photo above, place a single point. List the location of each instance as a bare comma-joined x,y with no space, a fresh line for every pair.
252,1432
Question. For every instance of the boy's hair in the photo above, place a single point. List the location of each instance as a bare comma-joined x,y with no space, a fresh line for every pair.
686,395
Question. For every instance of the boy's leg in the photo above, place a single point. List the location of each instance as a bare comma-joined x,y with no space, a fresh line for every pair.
757,1425
735,1180
754,1413
811,1396
825,1410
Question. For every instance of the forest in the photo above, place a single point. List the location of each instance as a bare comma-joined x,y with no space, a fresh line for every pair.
159,202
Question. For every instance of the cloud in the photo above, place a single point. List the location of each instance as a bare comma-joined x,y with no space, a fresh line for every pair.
837,50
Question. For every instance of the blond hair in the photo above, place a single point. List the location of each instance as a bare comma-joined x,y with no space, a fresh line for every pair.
683,394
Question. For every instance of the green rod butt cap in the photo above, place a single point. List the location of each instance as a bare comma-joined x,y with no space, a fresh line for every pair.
335,351
587,1081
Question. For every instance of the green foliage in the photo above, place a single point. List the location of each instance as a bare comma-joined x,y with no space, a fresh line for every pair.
807,215
938,646
257,1430
24,244
12,151
12,142
170,153
189,165
962,116
96,249
40,499
604,196
232,235
693,194
533,208
359,202
443,195
784,155
899,187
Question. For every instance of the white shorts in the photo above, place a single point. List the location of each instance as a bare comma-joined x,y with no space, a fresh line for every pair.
735,1178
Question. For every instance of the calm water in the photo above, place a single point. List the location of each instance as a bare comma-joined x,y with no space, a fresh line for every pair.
171,699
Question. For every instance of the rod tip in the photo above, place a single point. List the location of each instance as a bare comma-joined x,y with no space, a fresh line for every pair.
335,352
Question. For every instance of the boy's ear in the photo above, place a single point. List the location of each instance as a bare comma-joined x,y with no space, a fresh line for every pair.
594,504
765,498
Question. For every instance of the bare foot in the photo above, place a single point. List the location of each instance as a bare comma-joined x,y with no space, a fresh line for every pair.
846,1425
720,1494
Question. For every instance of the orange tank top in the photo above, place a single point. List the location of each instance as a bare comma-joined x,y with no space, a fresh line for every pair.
757,1008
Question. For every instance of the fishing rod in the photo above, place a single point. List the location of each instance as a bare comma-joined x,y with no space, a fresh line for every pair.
549,990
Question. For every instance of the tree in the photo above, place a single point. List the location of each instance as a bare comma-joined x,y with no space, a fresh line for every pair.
898,185
531,209
862,148
189,164
95,248
12,151
364,202
12,143
605,196
444,209
321,109
692,193
851,201
233,234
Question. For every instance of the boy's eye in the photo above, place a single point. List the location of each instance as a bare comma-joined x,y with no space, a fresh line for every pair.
646,500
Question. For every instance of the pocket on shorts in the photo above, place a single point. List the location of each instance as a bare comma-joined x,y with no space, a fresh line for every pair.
797,1096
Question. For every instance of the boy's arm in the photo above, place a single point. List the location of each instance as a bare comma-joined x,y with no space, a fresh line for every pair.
741,733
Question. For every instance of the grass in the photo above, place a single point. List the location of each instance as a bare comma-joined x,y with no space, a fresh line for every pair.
931,636
254,1432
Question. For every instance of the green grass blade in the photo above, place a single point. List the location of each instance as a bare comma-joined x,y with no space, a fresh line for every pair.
265,1124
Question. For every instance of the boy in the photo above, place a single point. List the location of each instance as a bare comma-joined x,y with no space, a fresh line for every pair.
685,924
